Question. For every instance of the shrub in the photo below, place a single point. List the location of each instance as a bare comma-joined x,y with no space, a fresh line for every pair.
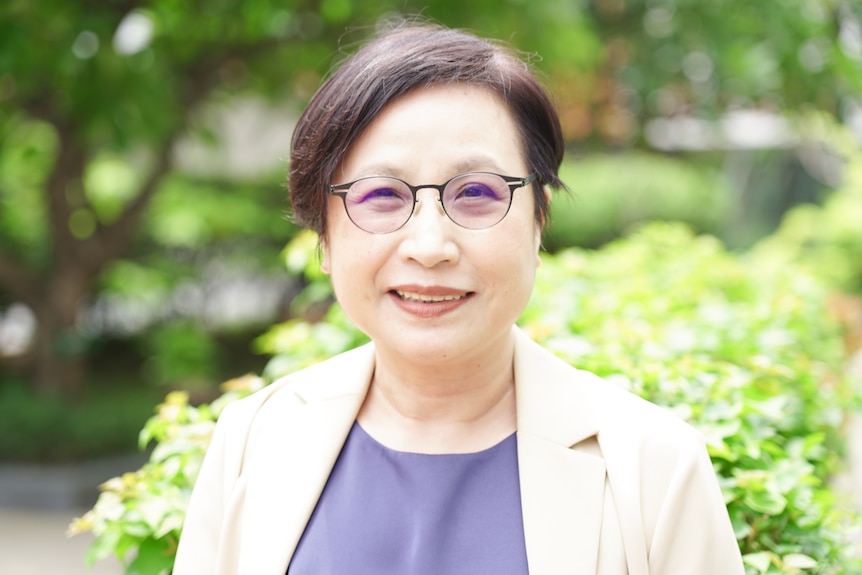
751,359
139,516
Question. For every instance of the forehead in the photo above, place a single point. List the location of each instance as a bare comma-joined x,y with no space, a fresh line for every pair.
454,127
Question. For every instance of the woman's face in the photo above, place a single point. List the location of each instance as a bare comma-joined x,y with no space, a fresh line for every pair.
432,291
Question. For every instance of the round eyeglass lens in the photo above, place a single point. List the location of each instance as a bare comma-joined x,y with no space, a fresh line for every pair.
379,204
477,200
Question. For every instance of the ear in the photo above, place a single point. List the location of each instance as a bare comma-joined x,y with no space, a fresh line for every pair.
324,256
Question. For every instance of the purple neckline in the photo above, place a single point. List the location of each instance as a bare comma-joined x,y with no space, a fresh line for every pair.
397,452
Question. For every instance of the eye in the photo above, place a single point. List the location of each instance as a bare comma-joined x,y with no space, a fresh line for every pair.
379,195
472,191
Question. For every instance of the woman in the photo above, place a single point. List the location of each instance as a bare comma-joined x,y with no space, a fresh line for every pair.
451,443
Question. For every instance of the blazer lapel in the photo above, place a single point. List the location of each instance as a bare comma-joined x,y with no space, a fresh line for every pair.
562,474
299,435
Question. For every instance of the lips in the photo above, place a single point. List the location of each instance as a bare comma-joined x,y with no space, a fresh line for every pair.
428,298
429,301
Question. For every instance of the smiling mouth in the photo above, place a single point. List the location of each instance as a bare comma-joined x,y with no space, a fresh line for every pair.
422,298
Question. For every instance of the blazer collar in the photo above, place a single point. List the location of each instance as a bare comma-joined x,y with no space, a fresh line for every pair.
551,402
562,473
297,437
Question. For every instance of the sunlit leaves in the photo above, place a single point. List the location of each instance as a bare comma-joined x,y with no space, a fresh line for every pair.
109,184
139,515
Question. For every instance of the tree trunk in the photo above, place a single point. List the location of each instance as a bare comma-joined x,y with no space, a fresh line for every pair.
56,368
59,354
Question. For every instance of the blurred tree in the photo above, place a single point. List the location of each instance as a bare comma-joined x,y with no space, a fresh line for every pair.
703,58
85,86
95,96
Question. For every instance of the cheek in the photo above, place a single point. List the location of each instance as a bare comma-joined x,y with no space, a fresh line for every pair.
352,258
538,243
514,257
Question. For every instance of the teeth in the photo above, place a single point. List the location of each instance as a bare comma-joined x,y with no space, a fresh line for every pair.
409,296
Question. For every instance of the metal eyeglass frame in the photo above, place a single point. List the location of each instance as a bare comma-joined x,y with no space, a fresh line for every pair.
513,182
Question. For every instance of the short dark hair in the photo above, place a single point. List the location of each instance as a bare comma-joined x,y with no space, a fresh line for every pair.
402,58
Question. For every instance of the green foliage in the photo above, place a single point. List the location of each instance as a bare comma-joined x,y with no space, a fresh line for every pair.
50,429
704,57
181,353
109,184
195,213
298,344
611,194
139,516
751,359
26,152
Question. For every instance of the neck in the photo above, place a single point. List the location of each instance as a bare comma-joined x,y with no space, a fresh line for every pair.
453,408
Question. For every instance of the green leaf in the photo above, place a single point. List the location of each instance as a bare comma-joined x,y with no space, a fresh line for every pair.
760,561
103,546
154,558
798,561
767,502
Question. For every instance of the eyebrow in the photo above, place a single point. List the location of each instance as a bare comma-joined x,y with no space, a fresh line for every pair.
469,164
477,163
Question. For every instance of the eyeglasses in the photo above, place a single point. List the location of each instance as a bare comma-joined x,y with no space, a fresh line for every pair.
383,204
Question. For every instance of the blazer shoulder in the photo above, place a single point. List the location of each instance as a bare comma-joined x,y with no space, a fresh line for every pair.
347,373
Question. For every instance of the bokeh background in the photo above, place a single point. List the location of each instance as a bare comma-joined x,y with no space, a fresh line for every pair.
143,146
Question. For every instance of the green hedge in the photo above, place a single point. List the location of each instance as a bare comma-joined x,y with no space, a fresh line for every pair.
750,358
610,194
50,429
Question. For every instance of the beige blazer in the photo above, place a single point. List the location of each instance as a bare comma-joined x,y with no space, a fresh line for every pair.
610,484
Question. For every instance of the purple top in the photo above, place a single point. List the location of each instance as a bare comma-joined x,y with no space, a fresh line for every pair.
392,512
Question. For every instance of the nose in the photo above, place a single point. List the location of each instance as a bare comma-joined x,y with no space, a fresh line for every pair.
428,235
